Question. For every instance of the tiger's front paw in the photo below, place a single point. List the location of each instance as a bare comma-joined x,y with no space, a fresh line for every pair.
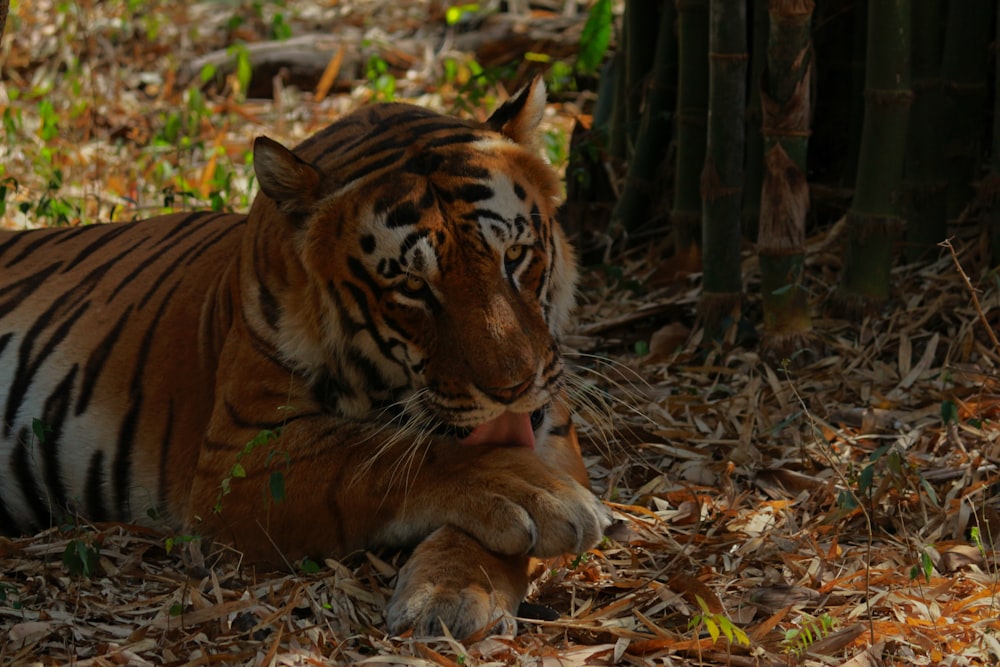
451,581
530,511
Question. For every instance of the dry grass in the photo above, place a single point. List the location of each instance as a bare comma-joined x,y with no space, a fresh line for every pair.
839,495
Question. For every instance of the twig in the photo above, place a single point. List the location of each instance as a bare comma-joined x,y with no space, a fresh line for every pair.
972,291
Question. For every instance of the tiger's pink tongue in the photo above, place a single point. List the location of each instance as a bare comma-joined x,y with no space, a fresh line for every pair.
510,428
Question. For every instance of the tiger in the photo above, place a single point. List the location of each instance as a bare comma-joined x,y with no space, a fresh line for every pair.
381,329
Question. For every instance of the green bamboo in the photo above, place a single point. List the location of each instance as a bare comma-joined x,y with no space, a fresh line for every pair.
964,72
785,98
873,221
639,193
925,185
859,45
692,102
753,169
617,134
991,187
643,20
722,176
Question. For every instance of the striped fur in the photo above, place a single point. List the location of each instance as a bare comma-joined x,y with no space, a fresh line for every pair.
398,284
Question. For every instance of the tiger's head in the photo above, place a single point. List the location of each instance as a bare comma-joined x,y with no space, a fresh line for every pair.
422,273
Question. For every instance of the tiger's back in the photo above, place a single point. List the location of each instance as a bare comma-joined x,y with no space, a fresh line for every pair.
106,358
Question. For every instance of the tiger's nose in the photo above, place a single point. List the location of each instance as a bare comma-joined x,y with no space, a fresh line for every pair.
508,395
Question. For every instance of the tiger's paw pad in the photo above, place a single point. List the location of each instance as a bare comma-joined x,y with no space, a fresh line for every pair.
427,608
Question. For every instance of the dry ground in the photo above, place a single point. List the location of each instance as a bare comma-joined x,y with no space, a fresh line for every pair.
850,497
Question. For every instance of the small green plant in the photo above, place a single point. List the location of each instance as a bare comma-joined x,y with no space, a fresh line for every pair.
172,541
595,38
276,480
244,70
925,567
798,640
556,145
6,185
10,595
382,83
309,566
456,13
81,557
280,30
716,624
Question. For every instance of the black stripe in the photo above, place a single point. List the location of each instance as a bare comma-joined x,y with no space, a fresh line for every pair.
111,232
375,165
561,430
27,367
29,249
165,442
269,306
8,526
158,282
183,224
452,139
20,465
16,293
65,235
474,192
4,341
13,238
121,467
205,245
95,362
94,489
54,420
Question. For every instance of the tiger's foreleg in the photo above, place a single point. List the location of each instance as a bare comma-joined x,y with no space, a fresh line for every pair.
452,581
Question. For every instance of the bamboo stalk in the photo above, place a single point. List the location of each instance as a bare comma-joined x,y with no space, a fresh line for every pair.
964,72
785,100
753,170
990,189
873,221
692,102
722,175
639,193
925,185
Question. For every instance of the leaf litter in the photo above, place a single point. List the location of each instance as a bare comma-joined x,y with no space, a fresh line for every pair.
839,510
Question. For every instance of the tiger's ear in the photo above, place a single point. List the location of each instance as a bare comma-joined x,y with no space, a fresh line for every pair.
518,117
290,181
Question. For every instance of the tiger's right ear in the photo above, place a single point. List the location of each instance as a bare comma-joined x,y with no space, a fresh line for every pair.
290,181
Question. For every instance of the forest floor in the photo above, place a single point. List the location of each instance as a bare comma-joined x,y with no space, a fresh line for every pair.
836,510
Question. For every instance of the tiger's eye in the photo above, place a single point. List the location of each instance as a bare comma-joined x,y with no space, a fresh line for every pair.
413,284
514,253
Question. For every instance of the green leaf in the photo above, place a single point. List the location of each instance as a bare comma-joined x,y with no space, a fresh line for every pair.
595,38
238,470
865,479
40,429
277,485
455,14
713,629
928,565
949,412
309,566
207,73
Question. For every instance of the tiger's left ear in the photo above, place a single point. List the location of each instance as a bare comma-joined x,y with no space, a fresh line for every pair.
290,181
518,117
